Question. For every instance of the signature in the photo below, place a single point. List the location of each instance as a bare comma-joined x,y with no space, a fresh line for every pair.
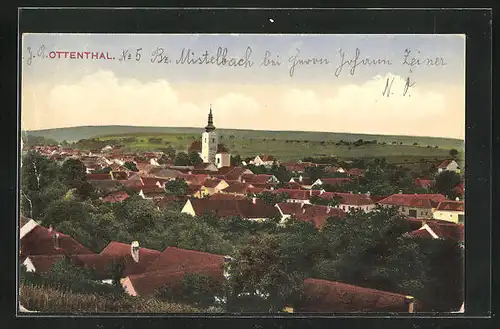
390,82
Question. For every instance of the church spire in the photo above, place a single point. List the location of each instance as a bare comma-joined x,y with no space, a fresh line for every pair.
210,126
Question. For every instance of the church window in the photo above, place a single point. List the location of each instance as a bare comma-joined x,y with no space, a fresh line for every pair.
213,139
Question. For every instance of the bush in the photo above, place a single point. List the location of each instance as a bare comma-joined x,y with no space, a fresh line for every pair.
49,299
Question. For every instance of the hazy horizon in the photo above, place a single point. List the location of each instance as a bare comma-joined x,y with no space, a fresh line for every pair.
58,93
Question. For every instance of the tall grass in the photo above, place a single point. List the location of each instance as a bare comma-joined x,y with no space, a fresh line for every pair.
45,299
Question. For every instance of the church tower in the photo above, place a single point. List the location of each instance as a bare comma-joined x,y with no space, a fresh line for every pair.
209,141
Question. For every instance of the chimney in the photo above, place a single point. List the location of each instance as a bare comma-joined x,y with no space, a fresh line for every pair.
300,178
368,194
254,200
134,251
410,301
55,239
400,191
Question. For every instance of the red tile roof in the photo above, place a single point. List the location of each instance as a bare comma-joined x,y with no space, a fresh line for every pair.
193,188
451,206
356,172
292,186
420,233
149,181
236,188
448,230
164,201
349,198
99,176
225,208
298,194
148,283
212,182
153,190
194,178
40,241
120,252
44,263
331,296
425,183
414,200
444,164
318,215
288,208
223,196
256,190
234,173
116,197
177,259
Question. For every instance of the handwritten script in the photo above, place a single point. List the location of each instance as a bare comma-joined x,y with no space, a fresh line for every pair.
343,63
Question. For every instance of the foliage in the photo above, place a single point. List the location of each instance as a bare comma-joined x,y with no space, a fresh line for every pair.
177,187
445,182
31,140
194,289
262,273
194,158
130,166
182,159
42,298
272,198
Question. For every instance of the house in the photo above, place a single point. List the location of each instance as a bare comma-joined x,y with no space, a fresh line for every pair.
198,179
303,182
424,183
42,241
331,181
236,188
167,200
165,173
449,165
171,266
254,210
440,230
212,186
452,211
263,160
224,196
351,201
317,215
297,167
288,210
41,263
233,173
99,177
253,190
194,190
259,179
333,296
414,205
298,196
223,159
206,167
152,192
26,225
115,197
107,186
133,258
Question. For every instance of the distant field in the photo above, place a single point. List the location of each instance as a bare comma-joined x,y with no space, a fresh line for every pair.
286,145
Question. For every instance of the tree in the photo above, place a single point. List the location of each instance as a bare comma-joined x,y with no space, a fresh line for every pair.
194,289
454,153
182,159
138,214
177,187
235,160
194,158
130,166
260,278
272,198
314,172
445,182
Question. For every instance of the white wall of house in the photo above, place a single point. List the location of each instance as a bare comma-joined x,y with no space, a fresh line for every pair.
31,224
29,265
451,216
452,166
222,160
348,207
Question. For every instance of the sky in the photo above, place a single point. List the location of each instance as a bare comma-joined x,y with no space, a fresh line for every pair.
385,94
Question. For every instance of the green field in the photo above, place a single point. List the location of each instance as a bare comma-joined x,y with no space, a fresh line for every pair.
286,145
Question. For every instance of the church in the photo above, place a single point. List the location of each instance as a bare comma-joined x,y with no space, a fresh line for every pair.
209,149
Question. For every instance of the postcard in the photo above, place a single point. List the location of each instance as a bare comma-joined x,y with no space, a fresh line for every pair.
242,173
